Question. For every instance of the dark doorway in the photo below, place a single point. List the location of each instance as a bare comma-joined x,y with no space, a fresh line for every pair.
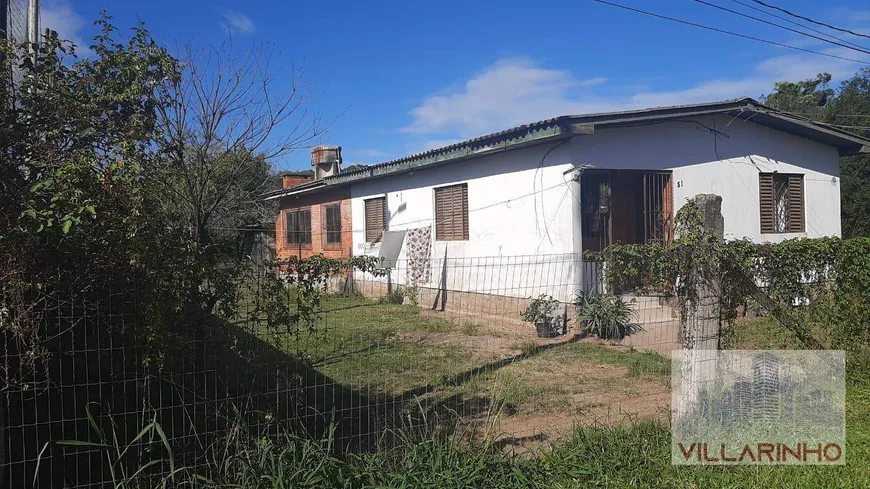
625,206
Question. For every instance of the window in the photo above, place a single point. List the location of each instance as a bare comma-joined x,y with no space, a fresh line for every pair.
451,213
297,223
781,202
376,219
332,223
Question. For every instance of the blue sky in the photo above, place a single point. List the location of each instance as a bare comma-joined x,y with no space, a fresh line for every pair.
400,78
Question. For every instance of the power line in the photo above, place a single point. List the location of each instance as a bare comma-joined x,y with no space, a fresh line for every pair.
786,19
829,26
730,33
859,49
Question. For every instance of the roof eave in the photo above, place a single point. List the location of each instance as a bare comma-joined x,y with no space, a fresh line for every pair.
299,189
461,152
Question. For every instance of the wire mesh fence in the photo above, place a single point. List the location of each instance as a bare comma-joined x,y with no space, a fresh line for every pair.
439,344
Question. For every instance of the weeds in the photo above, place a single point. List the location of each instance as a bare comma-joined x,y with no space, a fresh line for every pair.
633,454
125,462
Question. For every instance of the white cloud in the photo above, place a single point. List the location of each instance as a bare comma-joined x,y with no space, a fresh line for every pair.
238,22
509,92
516,91
59,15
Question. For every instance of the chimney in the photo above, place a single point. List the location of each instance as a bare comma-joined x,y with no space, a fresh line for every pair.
326,161
294,180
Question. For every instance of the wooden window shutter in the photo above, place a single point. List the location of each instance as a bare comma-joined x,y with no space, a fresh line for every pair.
765,188
451,213
332,223
297,224
795,203
376,212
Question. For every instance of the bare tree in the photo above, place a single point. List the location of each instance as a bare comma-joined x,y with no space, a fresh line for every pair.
222,123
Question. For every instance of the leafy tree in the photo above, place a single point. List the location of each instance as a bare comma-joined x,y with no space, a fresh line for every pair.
851,111
848,107
807,97
132,168
76,138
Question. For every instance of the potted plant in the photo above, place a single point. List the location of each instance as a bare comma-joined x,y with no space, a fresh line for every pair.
607,317
540,313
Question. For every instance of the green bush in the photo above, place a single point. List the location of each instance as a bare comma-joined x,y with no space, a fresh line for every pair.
605,316
398,294
540,309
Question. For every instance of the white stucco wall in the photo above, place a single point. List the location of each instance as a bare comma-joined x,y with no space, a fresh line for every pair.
520,216
520,231
727,165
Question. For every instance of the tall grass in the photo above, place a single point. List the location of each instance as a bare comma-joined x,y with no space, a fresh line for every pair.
632,455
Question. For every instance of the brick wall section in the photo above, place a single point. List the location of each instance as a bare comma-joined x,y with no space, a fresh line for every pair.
294,180
318,244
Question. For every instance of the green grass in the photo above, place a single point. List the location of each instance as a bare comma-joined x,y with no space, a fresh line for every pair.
595,457
367,344
637,363
356,342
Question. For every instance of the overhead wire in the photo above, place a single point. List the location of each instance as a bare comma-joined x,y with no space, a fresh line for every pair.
741,14
730,33
786,19
829,26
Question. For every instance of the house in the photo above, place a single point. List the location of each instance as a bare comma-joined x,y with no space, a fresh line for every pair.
313,223
514,210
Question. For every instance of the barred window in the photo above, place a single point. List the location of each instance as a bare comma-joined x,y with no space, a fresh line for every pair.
451,213
781,202
297,223
376,219
332,223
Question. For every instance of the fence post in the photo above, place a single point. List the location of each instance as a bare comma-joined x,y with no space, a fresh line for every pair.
699,328
441,296
700,318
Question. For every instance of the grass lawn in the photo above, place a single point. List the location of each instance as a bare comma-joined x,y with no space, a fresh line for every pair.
393,349
623,456
524,384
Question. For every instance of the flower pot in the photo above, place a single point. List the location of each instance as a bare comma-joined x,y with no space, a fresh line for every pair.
545,329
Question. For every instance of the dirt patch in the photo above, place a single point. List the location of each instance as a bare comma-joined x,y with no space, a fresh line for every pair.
528,392
537,400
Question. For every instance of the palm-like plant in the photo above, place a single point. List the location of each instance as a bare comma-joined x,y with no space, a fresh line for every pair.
607,317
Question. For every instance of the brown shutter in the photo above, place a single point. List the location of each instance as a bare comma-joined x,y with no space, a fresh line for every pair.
305,226
795,203
451,213
375,210
463,196
765,190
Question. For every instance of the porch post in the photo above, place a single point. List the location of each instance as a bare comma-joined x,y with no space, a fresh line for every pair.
577,229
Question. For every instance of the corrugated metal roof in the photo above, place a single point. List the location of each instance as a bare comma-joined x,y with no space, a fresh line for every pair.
570,125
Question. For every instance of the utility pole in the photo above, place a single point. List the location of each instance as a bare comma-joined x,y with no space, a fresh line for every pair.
32,28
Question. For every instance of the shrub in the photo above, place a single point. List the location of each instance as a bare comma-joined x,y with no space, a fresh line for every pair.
540,309
607,317
398,294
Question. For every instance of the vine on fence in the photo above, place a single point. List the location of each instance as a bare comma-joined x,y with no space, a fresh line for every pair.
301,283
826,278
